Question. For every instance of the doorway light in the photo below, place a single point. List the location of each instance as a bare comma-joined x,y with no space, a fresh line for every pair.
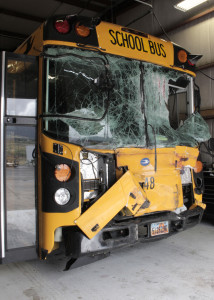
188,4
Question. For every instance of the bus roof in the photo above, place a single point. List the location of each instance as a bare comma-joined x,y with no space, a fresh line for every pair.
94,34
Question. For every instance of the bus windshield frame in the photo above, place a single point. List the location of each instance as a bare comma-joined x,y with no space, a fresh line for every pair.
98,100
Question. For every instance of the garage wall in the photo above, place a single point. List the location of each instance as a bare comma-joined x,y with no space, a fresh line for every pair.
198,38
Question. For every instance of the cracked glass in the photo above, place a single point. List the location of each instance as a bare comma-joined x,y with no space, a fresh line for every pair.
103,101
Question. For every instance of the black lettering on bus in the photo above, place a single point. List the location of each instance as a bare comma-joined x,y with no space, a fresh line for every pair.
163,52
151,46
138,43
111,32
142,43
117,33
131,42
157,49
125,40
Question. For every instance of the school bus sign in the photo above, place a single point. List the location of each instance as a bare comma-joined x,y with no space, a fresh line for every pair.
134,44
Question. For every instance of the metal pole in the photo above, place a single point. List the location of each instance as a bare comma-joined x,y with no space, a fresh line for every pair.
190,96
2,157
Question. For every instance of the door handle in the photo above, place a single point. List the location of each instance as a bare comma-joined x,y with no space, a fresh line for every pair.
11,120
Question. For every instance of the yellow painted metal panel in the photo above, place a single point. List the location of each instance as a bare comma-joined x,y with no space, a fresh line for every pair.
163,188
32,45
187,155
48,222
137,46
163,191
118,196
132,157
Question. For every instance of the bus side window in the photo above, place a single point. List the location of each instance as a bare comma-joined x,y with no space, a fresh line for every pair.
177,106
21,82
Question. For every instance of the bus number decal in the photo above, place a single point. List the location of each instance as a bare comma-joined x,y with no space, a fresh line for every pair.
149,183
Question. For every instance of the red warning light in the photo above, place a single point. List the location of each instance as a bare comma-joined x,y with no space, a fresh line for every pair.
62,26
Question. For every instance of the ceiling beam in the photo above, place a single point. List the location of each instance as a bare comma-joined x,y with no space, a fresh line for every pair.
196,17
105,2
114,7
207,114
20,15
83,4
118,7
128,6
207,66
13,35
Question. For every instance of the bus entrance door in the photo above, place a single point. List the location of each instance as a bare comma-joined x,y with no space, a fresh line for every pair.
19,75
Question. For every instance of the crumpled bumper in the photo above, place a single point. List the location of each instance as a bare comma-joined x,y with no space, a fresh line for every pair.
128,232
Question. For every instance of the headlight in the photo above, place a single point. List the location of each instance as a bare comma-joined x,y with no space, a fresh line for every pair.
186,176
62,196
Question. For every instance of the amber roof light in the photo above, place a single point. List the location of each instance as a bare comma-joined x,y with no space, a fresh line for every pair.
182,56
82,30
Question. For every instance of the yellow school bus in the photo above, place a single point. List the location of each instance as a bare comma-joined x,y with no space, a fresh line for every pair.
102,120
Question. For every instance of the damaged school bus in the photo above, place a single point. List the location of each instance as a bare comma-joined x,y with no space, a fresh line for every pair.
117,158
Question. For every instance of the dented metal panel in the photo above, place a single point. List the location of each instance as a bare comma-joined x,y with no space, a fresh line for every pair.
125,192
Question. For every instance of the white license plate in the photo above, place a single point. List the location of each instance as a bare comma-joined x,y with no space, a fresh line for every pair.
159,228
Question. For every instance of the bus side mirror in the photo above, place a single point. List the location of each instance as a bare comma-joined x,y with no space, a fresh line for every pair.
211,144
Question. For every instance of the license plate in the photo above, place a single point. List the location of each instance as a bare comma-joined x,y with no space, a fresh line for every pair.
159,228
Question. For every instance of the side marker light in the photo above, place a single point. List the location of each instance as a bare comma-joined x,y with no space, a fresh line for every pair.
198,167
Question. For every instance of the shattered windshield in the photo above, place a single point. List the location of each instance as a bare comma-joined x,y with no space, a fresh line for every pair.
104,101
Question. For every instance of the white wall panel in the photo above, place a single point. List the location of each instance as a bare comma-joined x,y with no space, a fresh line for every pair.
206,87
206,158
197,37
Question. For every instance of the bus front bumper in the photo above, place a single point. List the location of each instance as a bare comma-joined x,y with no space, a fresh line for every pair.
129,232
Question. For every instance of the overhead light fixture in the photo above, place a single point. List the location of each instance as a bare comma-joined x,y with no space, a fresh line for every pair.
188,4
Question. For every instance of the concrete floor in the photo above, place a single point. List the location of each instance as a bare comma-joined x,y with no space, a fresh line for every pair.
180,267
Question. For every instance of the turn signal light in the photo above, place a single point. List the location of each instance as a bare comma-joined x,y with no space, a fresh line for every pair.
62,26
82,30
182,56
198,167
62,172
